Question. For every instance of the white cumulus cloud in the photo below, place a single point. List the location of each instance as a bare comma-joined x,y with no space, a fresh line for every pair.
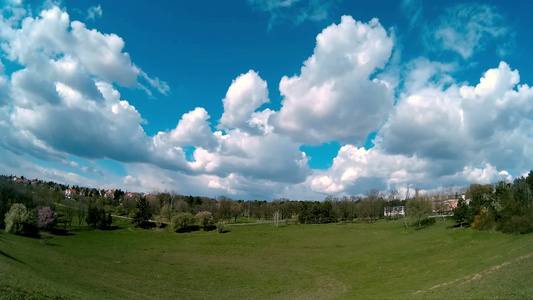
335,97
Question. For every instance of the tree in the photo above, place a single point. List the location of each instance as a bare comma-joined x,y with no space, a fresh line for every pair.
419,208
205,219
224,207
16,218
515,203
167,211
143,213
97,218
117,196
81,211
182,222
460,213
47,218
93,215
236,210
69,214
20,221
164,199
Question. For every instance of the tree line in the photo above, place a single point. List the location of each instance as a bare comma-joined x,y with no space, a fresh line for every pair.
505,206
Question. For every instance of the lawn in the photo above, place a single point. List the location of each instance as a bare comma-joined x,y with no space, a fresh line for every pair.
334,261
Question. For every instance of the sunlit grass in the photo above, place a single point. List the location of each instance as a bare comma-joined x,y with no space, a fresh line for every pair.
379,260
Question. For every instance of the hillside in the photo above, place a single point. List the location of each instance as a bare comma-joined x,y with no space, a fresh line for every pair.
369,260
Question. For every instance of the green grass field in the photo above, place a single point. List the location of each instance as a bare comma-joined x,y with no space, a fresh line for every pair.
379,260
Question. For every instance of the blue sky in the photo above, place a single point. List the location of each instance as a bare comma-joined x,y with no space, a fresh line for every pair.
261,99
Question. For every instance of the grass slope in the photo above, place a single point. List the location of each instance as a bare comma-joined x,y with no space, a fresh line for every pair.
380,260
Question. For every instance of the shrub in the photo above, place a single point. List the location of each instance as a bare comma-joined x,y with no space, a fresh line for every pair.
182,222
20,221
120,211
221,226
205,219
47,218
428,222
517,224
483,221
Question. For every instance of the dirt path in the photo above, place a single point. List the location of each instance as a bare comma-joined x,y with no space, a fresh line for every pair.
479,275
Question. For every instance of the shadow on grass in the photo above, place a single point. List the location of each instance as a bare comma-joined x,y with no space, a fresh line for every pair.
61,232
210,228
188,229
463,225
147,225
113,228
11,257
198,228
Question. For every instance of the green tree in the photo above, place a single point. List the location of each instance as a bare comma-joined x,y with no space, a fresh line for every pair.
20,221
460,213
143,213
205,219
419,208
182,222
167,211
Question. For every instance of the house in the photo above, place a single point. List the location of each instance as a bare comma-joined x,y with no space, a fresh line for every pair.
109,194
69,193
394,211
150,197
445,207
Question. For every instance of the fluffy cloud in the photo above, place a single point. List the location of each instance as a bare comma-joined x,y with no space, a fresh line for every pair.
442,134
372,168
487,123
271,157
357,170
36,40
64,101
246,94
334,97
130,180
193,130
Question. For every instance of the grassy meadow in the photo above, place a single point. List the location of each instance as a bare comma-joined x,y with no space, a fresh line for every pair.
333,261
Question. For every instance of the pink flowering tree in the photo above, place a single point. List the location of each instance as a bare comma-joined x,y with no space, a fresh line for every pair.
47,218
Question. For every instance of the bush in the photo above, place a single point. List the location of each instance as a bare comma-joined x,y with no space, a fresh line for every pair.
221,226
428,222
483,221
205,219
183,222
120,211
47,218
517,224
20,221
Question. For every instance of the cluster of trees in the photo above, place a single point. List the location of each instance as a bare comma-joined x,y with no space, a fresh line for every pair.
504,206
97,217
23,221
507,207
332,209
27,206
187,222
